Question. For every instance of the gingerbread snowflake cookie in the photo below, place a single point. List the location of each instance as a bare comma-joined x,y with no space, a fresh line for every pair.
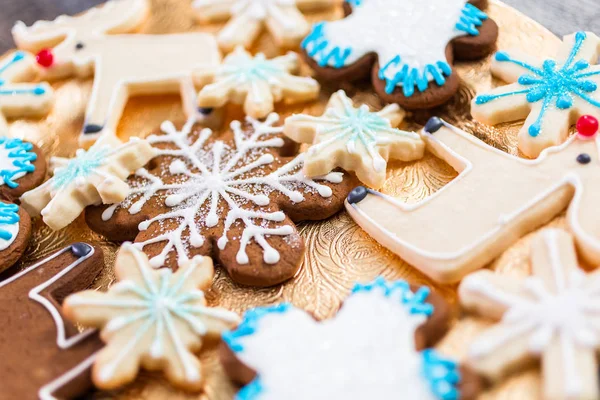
43,356
355,139
247,18
377,346
549,95
91,177
233,196
255,82
551,314
99,42
408,47
152,318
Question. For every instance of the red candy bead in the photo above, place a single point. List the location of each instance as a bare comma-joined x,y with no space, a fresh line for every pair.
587,126
45,58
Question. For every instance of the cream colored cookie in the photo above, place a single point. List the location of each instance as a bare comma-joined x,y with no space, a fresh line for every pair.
550,95
255,82
496,199
154,318
123,65
552,314
19,99
355,139
93,177
247,18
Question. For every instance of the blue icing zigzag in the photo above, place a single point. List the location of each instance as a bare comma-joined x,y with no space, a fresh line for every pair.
20,154
441,374
551,84
18,56
8,216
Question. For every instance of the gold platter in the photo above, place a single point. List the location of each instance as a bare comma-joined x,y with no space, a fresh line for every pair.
339,252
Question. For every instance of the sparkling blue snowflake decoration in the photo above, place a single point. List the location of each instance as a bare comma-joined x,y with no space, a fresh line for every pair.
370,340
78,169
16,160
555,93
417,54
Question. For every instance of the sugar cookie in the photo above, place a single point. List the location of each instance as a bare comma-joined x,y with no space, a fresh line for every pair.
22,167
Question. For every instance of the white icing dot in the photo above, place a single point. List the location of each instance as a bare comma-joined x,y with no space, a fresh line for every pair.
325,191
271,256
177,167
241,257
222,242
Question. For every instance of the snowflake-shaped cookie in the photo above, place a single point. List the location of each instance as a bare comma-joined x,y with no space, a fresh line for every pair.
255,82
552,314
153,318
93,177
247,18
550,94
226,196
367,351
410,54
355,139
21,99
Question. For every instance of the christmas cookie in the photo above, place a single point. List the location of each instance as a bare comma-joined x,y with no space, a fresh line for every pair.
355,139
234,197
550,95
92,177
44,357
18,99
377,346
22,167
255,82
247,18
496,199
15,232
406,46
123,64
551,314
152,318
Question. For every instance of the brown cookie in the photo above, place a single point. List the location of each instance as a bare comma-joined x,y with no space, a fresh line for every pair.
234,197
42,355
15,233
371,347
22,168
414,66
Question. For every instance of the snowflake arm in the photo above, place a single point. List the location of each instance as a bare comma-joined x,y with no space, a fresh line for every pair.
151,318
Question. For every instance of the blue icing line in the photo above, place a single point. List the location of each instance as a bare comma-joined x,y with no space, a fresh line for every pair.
355,3
414,302
84,164
319,41
551,84
442,375
251,391
37,90
8,216
22,157
471,18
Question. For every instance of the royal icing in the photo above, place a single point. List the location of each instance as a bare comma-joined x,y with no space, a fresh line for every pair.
282,18
366,351
495,199
355,139
155,314
255,82
410,53
21,99
123,64
15,160
551,94
216,184
91,177
9,224
553,312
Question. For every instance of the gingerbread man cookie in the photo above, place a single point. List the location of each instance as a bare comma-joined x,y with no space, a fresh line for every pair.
22,167
282,18
255,82
233,196
407,46
92,177
123,65
377,346
355,139
550,95
496,199
151,318
44,357
19,99
551,314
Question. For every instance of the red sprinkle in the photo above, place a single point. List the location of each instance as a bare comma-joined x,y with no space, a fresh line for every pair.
45,58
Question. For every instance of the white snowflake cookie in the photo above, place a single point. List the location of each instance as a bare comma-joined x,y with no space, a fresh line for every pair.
151,318
376,347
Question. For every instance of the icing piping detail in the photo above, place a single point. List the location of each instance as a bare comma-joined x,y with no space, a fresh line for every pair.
16,162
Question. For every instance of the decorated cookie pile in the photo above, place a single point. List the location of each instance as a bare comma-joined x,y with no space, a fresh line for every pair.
226,198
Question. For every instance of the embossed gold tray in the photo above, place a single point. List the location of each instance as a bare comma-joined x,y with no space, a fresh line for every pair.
339,252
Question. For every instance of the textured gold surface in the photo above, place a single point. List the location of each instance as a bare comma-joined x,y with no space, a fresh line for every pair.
339,252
